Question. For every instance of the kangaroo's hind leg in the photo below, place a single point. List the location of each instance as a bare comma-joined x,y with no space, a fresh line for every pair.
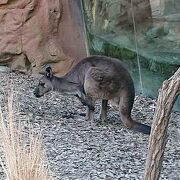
103,112
90,109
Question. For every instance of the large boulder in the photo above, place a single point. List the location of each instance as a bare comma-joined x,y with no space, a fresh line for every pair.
38,32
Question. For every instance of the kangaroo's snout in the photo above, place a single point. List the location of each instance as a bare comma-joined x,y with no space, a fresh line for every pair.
44,85
36,93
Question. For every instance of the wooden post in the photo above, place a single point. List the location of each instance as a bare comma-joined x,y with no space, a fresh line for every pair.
158,137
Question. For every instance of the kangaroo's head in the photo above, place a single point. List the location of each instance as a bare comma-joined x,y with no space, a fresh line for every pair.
45,83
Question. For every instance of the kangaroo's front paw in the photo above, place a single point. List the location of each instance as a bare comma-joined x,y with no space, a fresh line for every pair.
103,118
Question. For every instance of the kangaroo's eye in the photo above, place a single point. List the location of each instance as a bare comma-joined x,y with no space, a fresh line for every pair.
41,83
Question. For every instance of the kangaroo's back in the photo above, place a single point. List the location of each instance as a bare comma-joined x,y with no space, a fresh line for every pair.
112,66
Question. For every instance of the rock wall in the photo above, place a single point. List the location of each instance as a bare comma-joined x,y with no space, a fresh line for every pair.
38,32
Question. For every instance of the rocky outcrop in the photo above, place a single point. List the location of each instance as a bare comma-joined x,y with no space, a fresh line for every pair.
38,32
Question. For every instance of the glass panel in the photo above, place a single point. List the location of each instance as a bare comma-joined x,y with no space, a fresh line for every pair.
145,34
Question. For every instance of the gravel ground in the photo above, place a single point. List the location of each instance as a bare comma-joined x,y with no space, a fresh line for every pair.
78,151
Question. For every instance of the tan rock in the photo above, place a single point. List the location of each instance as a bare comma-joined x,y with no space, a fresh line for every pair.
3,2
36,32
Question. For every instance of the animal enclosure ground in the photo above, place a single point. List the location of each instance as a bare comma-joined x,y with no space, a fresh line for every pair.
77,151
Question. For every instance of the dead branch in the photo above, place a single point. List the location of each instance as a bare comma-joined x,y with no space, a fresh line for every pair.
158,137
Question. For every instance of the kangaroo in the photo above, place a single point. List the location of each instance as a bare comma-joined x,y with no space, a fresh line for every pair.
93,78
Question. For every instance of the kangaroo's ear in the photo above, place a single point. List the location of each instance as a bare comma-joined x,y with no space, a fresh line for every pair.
49,73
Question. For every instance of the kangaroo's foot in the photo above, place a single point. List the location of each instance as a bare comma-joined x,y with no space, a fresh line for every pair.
90,109
90,115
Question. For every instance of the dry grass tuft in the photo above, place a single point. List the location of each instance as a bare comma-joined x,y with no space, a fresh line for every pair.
22,154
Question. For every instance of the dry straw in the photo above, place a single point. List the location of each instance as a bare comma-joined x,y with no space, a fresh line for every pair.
22,156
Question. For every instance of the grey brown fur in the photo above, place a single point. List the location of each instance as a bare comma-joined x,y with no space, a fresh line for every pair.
96,77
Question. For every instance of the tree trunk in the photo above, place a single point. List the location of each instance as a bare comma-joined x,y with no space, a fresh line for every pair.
158,137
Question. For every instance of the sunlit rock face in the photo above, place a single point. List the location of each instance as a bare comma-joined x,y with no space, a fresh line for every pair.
38,32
